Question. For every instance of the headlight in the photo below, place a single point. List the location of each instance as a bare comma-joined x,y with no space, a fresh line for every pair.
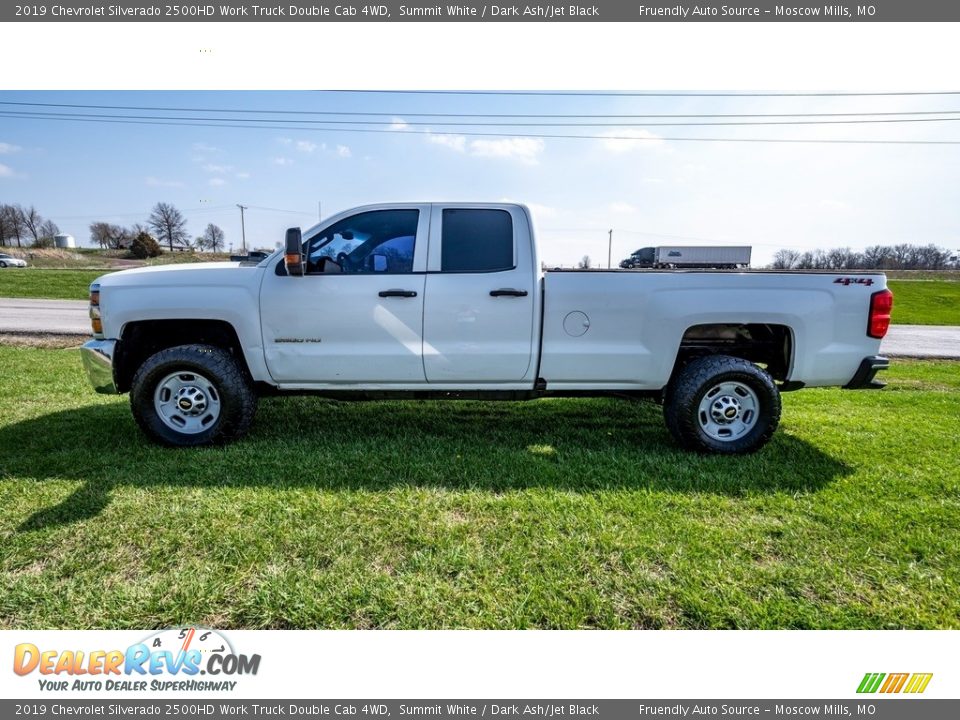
96,323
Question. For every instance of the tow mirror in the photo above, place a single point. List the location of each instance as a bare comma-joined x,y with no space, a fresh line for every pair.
292,257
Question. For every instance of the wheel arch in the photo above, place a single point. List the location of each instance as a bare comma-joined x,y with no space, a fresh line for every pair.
142,338
770,345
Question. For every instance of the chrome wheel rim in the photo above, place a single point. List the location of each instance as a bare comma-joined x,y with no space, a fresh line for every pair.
187,402
728,411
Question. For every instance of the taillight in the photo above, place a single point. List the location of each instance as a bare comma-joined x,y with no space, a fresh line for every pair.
881,303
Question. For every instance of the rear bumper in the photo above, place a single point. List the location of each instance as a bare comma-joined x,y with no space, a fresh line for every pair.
863,378
97,358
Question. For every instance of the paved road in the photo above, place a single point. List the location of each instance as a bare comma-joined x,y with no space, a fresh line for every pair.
48,316
70,317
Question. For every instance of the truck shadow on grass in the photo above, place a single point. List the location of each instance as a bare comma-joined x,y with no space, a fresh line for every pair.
570,445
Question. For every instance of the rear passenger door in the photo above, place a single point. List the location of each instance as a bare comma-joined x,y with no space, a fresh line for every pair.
479,298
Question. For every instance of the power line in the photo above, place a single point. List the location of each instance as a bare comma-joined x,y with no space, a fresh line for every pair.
279,210
137,213
351,123
400,115
551,93
558,136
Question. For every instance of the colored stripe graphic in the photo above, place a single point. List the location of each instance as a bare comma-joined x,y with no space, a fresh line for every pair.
870,682
894,682
918,682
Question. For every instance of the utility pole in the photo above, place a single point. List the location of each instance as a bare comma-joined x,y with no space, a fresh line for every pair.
319,211
609,249
243,228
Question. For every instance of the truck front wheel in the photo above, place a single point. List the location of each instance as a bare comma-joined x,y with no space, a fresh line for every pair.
722,404
192,395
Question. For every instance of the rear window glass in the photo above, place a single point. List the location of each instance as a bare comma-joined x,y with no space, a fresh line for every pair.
476,241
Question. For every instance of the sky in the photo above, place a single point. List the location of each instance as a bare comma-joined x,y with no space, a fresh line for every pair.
650,190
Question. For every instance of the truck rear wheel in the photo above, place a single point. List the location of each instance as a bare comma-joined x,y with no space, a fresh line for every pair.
722,404
192,395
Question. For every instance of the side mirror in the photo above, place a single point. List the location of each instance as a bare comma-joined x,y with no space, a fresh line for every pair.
292,255
379,263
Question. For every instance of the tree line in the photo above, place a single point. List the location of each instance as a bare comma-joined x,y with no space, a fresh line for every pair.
165,226
904,256
25,225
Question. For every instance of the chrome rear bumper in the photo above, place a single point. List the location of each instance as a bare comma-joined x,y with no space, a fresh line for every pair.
98,362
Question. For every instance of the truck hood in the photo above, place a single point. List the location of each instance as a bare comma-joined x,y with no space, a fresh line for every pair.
212,273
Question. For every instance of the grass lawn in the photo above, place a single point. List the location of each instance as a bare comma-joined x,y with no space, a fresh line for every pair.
556,514
57,284
926,302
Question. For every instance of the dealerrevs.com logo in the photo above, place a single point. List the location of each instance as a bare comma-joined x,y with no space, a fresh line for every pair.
910,683
168,660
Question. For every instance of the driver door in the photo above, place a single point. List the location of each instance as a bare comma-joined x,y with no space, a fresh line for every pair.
356,316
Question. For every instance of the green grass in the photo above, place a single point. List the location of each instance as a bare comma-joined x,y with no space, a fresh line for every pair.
926,302
56,284
560,513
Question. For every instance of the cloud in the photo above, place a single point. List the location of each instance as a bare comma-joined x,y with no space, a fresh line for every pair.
399,124
8,149
243,176
282,161
6,171
524,149
622,207
203,147
285,141
540,212
219,169
305,146
454,142
157,182
627,140
216,182
343,151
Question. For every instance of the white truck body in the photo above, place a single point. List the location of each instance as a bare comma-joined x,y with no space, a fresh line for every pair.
514,328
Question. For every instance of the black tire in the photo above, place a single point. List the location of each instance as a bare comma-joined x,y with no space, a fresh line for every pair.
2,264
234,393
682,411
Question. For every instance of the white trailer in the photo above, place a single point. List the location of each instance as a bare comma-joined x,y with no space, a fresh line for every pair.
702,256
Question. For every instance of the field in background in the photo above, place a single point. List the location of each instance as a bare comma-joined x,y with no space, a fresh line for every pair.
926,302
89,258
570,513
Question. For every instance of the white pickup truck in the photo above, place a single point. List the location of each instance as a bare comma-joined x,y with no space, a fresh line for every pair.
448,300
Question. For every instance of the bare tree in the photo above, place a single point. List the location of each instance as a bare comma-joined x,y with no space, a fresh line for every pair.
585,263
169,225
6,227
14,222
32,220
785,259
109,236
48,230
877,257
213,238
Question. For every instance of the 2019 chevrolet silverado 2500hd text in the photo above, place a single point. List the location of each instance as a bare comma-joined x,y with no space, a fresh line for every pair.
447,300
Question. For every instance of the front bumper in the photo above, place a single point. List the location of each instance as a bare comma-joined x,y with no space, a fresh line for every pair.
98,362
863,378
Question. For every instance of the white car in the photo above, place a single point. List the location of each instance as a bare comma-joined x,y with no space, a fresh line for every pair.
11,261
447,300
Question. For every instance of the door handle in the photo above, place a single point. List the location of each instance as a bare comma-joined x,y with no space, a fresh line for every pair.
398,293
508,292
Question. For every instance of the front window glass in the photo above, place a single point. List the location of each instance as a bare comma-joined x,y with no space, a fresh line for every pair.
379,241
